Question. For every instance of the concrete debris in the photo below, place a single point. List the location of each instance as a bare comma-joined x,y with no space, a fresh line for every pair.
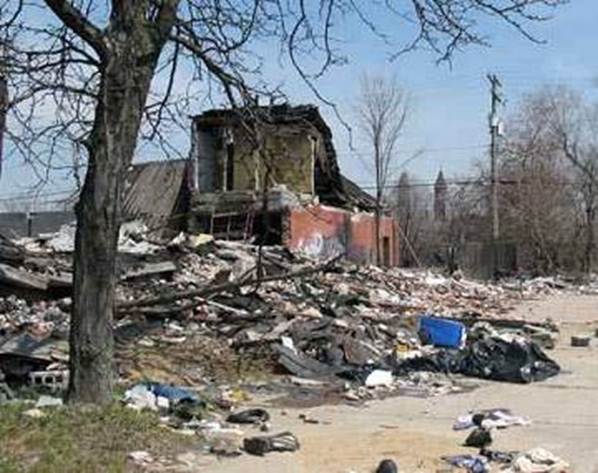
335,323
194,313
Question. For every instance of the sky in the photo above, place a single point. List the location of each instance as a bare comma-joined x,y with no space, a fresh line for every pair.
447,125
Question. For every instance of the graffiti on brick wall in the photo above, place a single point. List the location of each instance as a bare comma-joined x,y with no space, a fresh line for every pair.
319,246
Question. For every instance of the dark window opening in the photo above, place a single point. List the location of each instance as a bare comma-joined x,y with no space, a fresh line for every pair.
230,167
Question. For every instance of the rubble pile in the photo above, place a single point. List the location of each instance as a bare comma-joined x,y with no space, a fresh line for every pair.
239,302
197,318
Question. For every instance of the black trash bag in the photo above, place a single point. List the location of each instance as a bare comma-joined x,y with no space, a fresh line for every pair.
479,438
501,359
517,361
441,361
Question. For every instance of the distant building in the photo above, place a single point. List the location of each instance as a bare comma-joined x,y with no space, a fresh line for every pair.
440,198
290,192
404,192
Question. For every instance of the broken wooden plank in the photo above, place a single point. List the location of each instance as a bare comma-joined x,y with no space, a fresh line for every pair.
150,269
20,278
208,290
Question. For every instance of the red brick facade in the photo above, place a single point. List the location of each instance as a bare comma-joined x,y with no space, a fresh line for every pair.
325,232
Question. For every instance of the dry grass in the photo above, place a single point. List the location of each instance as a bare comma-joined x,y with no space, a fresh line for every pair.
81,439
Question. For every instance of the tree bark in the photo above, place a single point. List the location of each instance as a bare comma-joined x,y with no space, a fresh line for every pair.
589,249
126,76
379,190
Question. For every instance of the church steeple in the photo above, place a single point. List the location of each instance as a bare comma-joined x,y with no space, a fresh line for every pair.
440,197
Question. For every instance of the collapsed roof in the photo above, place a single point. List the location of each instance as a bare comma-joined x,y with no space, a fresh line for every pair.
330,185
154,193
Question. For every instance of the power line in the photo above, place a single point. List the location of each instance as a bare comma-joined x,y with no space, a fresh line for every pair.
482,182
32,195
417,150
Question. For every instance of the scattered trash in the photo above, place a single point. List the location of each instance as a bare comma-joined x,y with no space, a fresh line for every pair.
141,397
250,416
499,457
140,457
441,332
283,442
472,463
580,341
490,419
478,438
488,354
379,378
307,419
538,460
172,393
387,466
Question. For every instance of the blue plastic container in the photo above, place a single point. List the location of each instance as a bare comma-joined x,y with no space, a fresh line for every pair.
441,332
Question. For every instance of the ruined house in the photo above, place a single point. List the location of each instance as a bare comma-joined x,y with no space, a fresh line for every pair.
271,174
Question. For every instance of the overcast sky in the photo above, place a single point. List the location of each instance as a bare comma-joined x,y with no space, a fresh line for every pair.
448,120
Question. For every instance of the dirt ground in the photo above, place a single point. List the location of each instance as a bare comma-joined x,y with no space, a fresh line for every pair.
416,432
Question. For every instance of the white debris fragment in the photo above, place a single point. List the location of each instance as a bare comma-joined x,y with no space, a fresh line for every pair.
379,378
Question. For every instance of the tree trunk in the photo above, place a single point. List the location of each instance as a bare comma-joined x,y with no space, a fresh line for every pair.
123,92
379,191
589,250
377,218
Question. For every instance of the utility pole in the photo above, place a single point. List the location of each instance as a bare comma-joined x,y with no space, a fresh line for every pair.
3,98
494,123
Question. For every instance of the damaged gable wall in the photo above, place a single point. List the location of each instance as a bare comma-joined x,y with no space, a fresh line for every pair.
226,159
299,154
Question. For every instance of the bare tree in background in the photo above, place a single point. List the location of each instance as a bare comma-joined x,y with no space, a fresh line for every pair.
382,113
102,76
574,126
550,174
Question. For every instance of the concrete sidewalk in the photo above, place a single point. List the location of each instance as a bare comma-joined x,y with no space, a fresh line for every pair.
417,432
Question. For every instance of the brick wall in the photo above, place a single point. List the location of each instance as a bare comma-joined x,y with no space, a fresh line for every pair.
324,232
